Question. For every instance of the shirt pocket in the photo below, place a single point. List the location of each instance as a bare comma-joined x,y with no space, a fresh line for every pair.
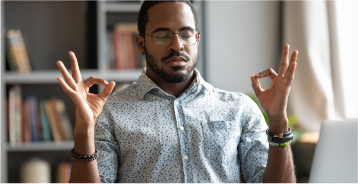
216,139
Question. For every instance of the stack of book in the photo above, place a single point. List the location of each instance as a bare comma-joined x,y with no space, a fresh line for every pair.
63,172
16,51
122,48
33,120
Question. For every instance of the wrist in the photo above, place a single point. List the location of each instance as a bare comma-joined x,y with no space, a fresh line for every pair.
83,129
278,125
83,132
84,140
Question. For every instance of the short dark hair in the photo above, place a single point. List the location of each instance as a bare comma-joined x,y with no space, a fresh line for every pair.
143,13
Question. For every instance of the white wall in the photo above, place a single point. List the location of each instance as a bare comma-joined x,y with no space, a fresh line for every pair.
242,39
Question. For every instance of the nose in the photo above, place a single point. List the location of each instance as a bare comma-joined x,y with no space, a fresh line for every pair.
176,44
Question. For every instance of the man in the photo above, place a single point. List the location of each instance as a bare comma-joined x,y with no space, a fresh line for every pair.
172,126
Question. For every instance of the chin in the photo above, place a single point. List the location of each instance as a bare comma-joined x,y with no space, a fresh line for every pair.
177,75
178,68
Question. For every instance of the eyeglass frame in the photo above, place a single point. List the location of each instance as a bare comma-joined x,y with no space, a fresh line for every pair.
171,38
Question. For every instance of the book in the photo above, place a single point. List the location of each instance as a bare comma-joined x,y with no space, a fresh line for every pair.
131,59
15,124
109,60
33,118
8,55
63,171
17,52
67,172
39,122
64,119
26,129
118,50
45,122
59,173
18,103
125,47
52,121
7,120
58,120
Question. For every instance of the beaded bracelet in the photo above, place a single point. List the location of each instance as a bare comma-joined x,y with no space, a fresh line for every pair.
284,144
83,158
279,138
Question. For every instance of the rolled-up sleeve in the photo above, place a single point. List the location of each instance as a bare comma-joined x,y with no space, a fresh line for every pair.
107,147
253,146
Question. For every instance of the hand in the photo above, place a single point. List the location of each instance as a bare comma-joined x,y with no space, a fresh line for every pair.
88,105
274,99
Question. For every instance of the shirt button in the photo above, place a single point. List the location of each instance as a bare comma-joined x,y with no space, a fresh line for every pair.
181,128
186,157
176,103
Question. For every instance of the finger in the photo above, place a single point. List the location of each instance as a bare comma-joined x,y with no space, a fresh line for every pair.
94,80
68,78
293,59
65,87
284,59
107,90
267,73
256,85
75,69
289,76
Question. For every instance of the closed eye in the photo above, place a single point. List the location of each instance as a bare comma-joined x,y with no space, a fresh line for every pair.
162,37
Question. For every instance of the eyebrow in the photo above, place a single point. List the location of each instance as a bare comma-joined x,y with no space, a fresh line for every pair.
167,29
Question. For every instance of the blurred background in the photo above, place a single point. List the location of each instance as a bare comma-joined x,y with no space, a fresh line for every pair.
238,39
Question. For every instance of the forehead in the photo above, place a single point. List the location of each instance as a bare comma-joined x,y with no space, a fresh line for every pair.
172,15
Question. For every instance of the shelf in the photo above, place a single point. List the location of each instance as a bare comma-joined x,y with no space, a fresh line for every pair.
38,77
131,7
41,146
122,8
44,77
122,75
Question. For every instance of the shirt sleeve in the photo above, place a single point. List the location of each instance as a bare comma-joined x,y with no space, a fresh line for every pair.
253,146
107,147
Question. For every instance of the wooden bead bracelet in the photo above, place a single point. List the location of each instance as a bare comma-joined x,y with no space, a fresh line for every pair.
83,158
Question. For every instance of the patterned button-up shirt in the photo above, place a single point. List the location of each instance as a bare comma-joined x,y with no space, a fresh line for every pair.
206,135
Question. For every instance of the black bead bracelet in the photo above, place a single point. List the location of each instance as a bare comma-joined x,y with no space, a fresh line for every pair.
83,158
279,138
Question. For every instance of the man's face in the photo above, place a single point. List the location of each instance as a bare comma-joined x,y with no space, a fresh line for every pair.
173,63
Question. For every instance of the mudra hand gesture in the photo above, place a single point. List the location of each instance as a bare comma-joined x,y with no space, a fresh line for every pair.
88,105
274,99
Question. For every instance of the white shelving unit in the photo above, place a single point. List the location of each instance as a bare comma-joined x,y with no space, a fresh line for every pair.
41,146
120,8
3,150
46,77
10,153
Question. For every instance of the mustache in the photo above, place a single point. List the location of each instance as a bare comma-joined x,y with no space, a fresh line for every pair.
179,53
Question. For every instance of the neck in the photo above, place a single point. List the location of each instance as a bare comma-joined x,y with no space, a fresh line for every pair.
175,89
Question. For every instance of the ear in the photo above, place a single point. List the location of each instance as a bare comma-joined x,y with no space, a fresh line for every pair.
140,43
198,38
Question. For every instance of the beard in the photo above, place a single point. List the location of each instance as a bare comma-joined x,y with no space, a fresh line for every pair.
167,77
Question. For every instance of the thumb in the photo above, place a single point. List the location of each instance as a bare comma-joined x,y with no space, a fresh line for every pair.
256,85
107,90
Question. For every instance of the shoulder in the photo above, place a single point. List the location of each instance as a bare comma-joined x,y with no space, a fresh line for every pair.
234,97
242,104
127,94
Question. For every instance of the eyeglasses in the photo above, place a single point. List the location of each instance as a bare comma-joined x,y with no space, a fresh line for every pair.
164,38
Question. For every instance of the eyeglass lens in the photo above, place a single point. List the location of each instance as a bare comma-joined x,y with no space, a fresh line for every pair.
163,38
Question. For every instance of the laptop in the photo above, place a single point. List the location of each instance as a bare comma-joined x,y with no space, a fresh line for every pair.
335,156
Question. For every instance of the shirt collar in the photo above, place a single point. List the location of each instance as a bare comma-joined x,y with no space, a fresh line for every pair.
145,84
